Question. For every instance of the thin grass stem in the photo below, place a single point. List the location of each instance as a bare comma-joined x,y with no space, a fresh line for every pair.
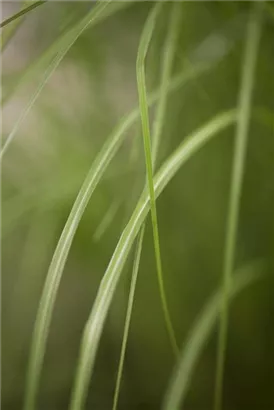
9,32
141,84
176,393
68,42
106,220
136,264
45,59
56,268
244,114
168,53
94,326
21,13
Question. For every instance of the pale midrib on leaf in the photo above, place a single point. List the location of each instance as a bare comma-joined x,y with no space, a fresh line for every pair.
243,119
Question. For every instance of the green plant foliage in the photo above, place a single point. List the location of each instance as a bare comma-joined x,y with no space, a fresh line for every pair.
94,326
56,268
105,105
169,51
140,68
248,75
63,46
198,336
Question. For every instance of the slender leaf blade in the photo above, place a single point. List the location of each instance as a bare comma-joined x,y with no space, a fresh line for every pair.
54,275
168,57
68,42
136,264
21,13
141,83
199,334
95,323
244,114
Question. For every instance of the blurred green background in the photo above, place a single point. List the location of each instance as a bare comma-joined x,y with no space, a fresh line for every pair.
42,171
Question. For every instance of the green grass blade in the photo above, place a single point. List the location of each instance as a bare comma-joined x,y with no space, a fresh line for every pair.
168,53
51,68
95,323
46,58
21,13
141,83
244,114
68,42
54,275
115,140
136,264
57,265
199,335
106,221
7,34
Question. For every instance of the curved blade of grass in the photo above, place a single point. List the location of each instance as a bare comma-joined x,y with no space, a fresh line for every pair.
54,275
199,334
46,58
106,221
244,114
229,35
21,13
141,83
57,265
128,121
7,34
136,264
168,53
94,326
68,42
199,67
168,58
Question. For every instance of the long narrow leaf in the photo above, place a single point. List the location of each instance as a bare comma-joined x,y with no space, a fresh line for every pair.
198,336
247,82
14,22
141,82
21,13
57,265
109,149
46,58
95,323
106,221
128,314
68,42
168,56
